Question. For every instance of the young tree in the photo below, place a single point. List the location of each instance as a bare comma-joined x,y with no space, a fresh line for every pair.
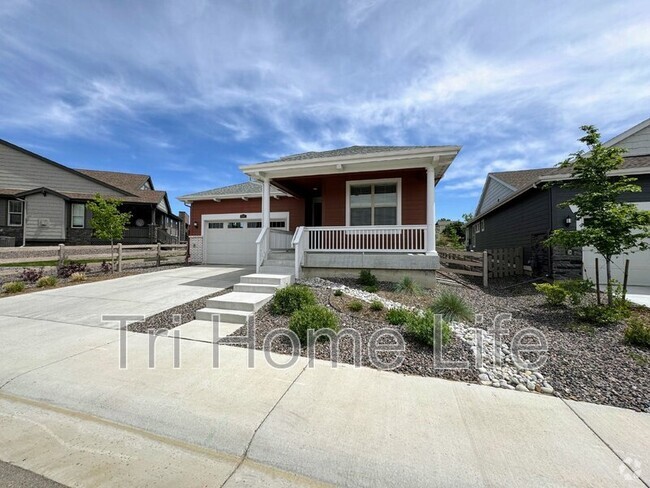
107,222
610,225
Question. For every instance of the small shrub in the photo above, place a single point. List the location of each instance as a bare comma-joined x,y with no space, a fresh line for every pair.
67,269
355,306
601,315
554,293
575,289
76,277
338,293
46,281
287,300
428,329
312,317
452,308
366,278
371,288
106,267
397,316
31,275
408,286
376,306
13,287
637,333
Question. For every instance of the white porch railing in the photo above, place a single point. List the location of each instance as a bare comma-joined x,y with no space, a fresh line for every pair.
280,239
376,239
268,239
263,245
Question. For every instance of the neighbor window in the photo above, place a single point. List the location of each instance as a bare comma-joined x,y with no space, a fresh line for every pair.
78,215
15,218
373,203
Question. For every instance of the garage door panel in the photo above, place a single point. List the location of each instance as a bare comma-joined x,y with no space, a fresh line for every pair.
639,271
231,246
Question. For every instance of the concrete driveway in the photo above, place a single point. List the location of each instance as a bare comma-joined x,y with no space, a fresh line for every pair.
144,294
70,413
639,295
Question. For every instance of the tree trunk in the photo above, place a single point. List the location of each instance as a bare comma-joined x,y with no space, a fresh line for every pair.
610,293
112,258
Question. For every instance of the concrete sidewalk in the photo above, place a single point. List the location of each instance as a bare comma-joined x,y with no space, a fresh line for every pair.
68,412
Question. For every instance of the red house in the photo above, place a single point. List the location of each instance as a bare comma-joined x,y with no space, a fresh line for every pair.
327,213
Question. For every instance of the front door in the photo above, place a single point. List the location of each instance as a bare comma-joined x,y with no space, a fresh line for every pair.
315,212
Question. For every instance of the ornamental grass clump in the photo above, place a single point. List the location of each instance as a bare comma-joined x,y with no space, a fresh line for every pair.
313,317
376,306
408,287
452,308
355,306
428,328
292,298
13,287
46,282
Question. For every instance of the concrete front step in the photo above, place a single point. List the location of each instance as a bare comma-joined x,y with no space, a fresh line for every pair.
270,268
281,280
237,300
228,316
280,263
250,288
202,330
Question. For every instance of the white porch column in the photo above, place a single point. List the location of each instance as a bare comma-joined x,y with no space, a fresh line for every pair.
266,203
431,211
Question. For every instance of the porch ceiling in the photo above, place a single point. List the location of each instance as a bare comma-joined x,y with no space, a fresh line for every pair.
440,158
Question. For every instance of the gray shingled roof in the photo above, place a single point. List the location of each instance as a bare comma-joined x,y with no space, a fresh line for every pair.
347,151
252,188
524,180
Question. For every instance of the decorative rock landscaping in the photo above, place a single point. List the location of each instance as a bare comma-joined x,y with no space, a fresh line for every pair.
498,369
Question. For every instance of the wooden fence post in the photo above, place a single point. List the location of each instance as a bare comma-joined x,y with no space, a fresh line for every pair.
119,257
61,255
485,269
597,282
627,271
158,255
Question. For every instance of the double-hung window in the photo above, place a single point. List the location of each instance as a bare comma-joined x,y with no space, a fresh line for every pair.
15,217
373,203
78,215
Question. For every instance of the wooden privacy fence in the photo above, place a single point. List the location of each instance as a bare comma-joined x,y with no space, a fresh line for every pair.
494,263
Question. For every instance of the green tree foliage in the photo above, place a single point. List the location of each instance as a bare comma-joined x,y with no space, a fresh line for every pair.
107,222
611,226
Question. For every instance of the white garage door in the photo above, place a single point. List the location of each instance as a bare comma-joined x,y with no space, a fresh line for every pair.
232,241
639,274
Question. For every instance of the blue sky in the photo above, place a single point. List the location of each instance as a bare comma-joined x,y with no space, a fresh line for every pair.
188,90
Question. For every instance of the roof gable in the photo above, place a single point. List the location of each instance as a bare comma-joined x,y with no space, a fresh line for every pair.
636,140
252,189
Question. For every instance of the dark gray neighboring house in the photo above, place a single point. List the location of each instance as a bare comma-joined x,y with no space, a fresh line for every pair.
518,209
44,201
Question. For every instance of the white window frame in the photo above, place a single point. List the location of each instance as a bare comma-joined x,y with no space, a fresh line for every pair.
72,207
482,225
350,183
10,213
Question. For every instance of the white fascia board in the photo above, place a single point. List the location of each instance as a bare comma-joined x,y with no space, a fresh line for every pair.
297,165
232,196
630,132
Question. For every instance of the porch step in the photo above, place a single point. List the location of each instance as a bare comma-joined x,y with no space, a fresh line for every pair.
228,316
284,263
281,280
250,288
272,268
247,302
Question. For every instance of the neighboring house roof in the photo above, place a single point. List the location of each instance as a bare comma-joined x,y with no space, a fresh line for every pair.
347,151
130,182
524,180
630,132
249,189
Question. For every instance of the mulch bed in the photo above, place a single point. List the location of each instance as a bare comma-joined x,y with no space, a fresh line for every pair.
418,358
585,363
175,316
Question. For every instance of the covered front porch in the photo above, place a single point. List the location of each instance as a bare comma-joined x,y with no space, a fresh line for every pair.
372,211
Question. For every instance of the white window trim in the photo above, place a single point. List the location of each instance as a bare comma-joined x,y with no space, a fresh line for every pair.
10,213
82,226
350,183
